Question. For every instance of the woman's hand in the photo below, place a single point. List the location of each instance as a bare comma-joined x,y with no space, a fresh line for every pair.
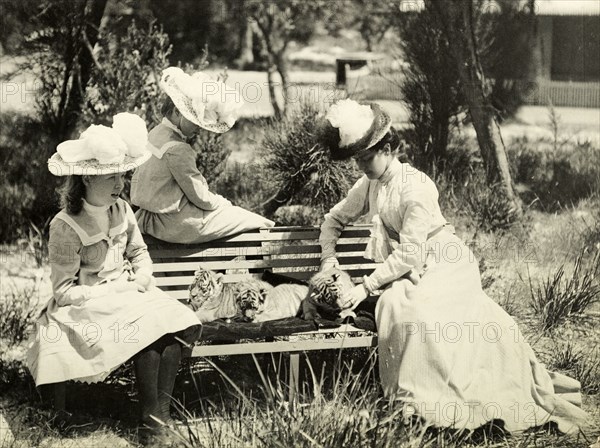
351,299
328,263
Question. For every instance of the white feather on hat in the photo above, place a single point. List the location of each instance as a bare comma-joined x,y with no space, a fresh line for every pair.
102,150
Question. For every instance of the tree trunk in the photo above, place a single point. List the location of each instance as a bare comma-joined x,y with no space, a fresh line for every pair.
246,56
456,15
272,94
282,69
94,10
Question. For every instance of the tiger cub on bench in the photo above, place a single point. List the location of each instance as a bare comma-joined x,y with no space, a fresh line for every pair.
259,304
250,300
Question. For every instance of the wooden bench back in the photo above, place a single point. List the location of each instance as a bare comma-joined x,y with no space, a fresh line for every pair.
294,251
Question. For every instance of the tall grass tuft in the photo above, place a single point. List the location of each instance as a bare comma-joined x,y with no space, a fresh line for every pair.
561,295
18,308
583,365
35,242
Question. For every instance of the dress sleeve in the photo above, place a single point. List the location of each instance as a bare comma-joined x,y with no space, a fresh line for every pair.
64,248
412,237
181,161
346,211
136,251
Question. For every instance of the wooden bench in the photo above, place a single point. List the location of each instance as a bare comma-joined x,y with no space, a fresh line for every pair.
293,251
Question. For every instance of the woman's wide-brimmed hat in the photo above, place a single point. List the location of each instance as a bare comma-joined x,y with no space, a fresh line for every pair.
101,150
354,128
207,102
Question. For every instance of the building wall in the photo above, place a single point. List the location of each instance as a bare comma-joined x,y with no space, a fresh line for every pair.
575,48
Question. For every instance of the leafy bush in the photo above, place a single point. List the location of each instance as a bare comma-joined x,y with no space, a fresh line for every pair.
555,176
125,79
211,155
488,205
18,308
297,215
560,295
242,184
27,189
298,167
431,89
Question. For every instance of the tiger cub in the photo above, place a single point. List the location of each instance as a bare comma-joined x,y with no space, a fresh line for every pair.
325,291
252,300
210,298
260,303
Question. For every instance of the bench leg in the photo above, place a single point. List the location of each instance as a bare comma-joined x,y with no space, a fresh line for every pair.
294,376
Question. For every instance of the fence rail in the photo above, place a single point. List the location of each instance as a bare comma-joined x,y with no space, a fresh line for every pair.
560,93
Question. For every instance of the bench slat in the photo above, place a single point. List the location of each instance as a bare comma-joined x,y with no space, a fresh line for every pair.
356,271
228,252
191,266
284,346
269,235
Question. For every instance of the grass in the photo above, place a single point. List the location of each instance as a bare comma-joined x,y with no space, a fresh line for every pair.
562,295
18,308
341,406
582,363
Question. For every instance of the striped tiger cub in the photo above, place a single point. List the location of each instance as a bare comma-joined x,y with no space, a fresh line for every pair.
260,303
210,298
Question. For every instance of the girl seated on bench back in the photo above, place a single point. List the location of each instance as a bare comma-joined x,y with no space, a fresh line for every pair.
106,308
175,202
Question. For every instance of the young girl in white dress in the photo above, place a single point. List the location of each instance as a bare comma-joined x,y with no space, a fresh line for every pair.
176,204
446,350
105,307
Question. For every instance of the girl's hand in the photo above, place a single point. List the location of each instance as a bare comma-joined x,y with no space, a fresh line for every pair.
123,285
352,298
143,280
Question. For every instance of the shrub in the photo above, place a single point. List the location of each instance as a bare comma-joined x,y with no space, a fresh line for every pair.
431,89
591,235
297,215
125,79
488,205
211,155
555,175
242,184
18,308
298,167
27,189
560,296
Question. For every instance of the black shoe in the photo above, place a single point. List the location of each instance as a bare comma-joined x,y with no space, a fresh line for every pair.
64,422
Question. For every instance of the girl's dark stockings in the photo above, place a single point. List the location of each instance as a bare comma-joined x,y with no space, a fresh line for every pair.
155,370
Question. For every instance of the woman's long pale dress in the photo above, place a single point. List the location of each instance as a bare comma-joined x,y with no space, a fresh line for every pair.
88,329
447,350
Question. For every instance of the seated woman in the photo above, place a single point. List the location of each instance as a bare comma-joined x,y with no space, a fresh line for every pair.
105,307
175,202
447,351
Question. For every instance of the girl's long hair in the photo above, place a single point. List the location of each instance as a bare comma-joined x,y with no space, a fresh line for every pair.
71,194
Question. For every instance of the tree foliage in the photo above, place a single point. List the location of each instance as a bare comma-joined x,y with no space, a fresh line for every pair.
278,24
431,82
